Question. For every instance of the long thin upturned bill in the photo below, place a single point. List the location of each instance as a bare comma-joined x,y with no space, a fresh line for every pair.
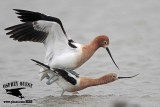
128,77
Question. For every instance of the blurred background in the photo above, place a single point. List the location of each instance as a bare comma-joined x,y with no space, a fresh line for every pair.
133,27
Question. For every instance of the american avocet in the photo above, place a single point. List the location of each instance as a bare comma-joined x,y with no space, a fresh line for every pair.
71,81
61,50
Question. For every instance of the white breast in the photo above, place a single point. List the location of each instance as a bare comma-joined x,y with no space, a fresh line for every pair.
66,85
67,59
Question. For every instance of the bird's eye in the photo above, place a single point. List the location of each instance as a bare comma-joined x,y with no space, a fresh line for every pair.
105,42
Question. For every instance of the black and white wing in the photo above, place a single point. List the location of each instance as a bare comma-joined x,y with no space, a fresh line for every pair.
36,26
65,74
41,28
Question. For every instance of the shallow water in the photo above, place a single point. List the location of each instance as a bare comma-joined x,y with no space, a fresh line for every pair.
133,29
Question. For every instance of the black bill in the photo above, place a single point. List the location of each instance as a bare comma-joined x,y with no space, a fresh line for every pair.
128,77
111,56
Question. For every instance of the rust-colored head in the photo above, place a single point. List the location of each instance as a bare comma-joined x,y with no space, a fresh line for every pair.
110,77
102,41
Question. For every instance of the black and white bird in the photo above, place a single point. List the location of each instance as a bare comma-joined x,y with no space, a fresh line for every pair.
61,50
70,81
63,55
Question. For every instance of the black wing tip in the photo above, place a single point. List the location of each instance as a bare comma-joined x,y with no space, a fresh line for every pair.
26,32
20,10
16,9
7,28
31,16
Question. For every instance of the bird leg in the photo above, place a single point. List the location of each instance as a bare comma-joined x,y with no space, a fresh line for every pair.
53,81
47,76
62,92
49,82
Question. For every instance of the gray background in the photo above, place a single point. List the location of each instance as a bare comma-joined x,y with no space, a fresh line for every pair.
133,27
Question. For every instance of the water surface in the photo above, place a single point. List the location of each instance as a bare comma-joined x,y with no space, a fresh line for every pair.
133,29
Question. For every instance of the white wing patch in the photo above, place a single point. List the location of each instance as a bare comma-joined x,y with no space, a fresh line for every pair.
42,26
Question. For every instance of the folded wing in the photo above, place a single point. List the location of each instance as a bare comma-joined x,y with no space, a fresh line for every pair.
67,75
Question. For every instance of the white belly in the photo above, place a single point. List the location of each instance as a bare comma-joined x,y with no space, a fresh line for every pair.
66,85
62,83
66,60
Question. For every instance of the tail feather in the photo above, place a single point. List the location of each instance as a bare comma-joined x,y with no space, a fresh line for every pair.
41,64
46,69
69,77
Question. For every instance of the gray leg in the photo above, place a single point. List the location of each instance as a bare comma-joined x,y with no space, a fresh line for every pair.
47,76
62,93
49,82
53,81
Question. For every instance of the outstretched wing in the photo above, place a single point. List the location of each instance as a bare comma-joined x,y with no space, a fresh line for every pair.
38,27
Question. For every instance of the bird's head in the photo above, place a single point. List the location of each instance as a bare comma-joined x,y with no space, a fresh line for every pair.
112,77
103,41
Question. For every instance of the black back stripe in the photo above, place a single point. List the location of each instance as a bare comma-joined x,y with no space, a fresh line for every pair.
70,43
29,16
60,72
74,73
65,75
16,27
